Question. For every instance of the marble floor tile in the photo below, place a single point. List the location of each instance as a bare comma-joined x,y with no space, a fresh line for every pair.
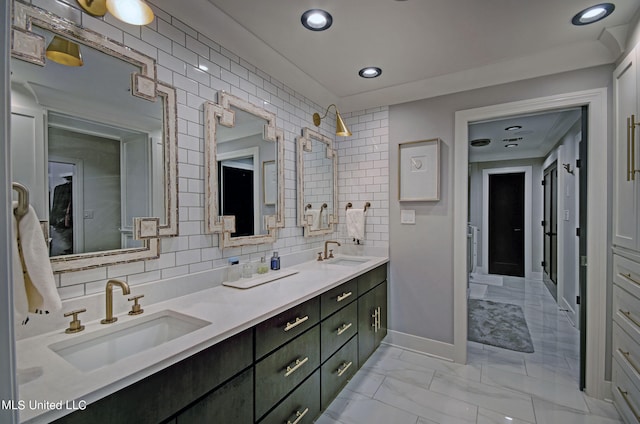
551,413
365,382
469,371
506,401
426,403
486,416
408,372
350,409
565,395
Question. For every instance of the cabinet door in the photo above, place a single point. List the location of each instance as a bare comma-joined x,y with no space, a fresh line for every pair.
303,404
366,330
381,304
231,403
625,191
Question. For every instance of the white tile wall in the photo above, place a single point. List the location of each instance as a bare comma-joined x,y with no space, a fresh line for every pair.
362,158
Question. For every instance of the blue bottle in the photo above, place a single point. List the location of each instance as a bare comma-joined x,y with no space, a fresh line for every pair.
275,261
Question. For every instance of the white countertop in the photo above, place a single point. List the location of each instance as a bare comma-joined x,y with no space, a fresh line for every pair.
48,378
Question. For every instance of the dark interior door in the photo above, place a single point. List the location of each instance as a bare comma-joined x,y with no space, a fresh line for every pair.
506,224
582,237
550,222
237,198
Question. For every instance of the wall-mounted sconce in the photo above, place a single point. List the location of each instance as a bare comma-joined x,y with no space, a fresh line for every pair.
134,12
64,52
567,167
341,127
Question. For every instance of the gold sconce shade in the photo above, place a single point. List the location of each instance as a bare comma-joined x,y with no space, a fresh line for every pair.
134,12
94,7
341,128
64,52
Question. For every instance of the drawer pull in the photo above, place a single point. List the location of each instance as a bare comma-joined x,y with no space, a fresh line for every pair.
299,416
294,367
297,322
625,395
343,368
627,357
629,317
629,277
343,296
344,328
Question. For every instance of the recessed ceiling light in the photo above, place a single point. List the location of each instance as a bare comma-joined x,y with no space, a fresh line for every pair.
480,142
511,145
370,72
593,14
513,128
316,19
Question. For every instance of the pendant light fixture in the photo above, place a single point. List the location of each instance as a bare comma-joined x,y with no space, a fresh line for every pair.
341,128
134,12
64,52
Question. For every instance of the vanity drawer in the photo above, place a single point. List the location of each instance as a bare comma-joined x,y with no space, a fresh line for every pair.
337,329
301,406
626,312
627,352
338,370
371,279
338,297
280,372
278,330
626,274
625,395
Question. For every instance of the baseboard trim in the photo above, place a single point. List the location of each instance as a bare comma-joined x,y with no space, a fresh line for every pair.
420,344
536,276
569,312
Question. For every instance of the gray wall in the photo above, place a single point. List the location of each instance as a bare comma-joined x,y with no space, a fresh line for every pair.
421,293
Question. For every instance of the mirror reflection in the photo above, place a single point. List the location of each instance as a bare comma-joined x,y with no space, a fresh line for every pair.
91,153
246,173
244,170
317,183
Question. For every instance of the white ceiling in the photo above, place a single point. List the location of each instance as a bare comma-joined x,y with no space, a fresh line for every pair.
538,136
425,48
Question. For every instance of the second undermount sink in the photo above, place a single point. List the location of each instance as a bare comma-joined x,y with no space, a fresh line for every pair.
106,346
347,261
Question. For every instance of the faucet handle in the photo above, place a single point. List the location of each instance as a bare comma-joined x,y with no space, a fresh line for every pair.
74,326
319,257
135,308
330,253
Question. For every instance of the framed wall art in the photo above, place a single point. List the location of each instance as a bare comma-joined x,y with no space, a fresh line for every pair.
419,170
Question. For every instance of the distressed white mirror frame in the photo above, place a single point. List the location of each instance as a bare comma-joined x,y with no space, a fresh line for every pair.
30,46
221,113
305,145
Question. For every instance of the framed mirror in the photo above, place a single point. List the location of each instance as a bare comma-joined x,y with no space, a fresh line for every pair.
317,165
95,144
244,183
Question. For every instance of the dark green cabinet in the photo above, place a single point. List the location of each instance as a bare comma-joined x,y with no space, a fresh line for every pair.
338,370
231,403
303,404
372,321
337,329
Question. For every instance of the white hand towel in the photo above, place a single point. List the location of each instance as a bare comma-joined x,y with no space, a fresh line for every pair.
316,218
20,302
355,223
39,283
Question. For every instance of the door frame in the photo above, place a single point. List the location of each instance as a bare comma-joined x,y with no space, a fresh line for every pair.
527,170
596,100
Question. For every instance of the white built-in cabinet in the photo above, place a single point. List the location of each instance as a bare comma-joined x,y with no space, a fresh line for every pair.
626,240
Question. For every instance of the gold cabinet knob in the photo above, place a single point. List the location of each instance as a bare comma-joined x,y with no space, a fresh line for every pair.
135,308
74,326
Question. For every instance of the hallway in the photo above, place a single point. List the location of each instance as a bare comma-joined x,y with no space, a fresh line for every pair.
496,386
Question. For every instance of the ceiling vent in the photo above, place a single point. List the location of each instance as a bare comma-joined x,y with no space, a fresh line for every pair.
480,142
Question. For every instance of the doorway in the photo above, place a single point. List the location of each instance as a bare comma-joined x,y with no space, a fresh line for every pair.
550,224
238,200
506,224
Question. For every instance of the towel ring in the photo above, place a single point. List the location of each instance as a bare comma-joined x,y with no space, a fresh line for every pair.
367,206
23,200
348,206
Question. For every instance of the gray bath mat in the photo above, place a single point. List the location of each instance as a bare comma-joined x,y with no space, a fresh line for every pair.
499,324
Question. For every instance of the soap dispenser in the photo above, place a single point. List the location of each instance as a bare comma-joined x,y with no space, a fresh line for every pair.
263,268
275,261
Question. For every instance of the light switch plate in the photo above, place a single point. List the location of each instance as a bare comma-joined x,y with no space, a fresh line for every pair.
407,216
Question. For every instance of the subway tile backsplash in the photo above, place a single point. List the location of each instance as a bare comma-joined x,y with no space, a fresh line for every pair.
363,158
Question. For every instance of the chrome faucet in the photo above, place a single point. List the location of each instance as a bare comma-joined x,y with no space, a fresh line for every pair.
326,244
125,290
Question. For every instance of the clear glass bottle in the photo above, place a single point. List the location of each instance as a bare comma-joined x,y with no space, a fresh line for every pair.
263,268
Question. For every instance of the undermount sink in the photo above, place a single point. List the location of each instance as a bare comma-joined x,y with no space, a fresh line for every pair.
348,261
107,346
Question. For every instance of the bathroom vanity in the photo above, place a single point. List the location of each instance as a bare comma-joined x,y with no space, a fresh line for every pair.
302,338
